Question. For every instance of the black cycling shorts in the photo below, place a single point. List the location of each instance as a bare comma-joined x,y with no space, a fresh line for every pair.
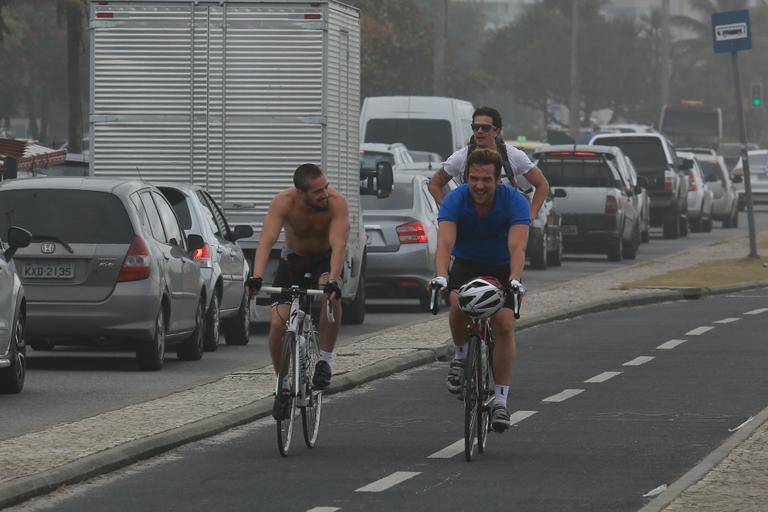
304,271
463,271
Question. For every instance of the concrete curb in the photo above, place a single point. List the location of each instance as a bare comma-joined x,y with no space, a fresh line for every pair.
22,489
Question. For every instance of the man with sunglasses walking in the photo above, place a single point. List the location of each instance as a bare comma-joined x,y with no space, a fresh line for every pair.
486,127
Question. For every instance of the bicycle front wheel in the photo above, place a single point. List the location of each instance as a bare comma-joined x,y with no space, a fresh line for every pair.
310,413
286,398
483,409
471,395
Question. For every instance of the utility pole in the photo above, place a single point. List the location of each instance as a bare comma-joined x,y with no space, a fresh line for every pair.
666,64
573,107
440,42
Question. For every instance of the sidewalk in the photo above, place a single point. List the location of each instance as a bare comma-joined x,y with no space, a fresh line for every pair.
38,462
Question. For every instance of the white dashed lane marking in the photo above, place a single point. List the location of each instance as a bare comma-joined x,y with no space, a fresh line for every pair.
756,311
388,481
669,345
602,377
638,361
324,509
563,395
458,447
699,330
726,320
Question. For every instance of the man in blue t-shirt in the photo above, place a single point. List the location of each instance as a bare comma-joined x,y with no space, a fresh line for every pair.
484,225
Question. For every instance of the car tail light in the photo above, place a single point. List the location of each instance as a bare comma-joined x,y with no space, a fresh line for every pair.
202,256
611,205
574,153
692,186
669,177
408,284
412,233
136,265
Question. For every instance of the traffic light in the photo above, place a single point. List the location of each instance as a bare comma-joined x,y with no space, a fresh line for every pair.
757,95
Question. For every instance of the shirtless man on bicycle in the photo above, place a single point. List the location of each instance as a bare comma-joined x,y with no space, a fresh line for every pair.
484,225
316,221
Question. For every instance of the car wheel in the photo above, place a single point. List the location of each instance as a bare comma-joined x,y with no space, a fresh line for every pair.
191,349
683,225
539,256
672,226
12,377
237,329
615,250
151,354
735,218
212,323
555,258
630,248
354,312
707,226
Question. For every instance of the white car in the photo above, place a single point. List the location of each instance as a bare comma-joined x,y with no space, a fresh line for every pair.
372,153
724,195
758,173
699,196
13,350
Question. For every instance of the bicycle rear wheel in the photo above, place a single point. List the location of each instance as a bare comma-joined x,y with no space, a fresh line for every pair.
310,413
471,396
484,388
287,371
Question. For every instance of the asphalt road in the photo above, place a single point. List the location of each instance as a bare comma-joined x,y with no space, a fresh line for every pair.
68,384
686,375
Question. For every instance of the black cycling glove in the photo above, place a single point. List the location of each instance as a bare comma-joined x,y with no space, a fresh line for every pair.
332,289
254,285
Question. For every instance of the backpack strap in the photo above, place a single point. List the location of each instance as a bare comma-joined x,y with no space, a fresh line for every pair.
470,148
501,147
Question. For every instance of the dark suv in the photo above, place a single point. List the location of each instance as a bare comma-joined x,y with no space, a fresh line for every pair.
655,159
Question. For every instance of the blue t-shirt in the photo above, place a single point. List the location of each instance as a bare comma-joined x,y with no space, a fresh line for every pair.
484,240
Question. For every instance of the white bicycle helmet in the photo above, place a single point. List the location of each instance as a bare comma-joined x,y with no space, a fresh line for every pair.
481,297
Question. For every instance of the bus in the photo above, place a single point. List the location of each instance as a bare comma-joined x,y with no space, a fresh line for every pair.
692,124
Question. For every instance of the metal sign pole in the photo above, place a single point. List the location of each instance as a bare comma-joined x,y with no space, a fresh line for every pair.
744,159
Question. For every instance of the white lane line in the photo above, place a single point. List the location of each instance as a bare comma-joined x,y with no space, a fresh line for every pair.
602,377
638,361
324,509
699,330
563,395
669,345
727,320
458,447
388,481
756,311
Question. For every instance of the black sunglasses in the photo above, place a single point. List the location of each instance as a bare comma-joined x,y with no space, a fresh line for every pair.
484,127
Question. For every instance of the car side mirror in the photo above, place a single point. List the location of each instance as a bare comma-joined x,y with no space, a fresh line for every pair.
239,232
559,192
195,242
379,183
17,239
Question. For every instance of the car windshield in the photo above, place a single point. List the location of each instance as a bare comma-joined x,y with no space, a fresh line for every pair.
401,199
645,153
711,170
433,135
73,216
577,172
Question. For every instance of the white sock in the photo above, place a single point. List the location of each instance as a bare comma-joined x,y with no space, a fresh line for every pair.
326,356
460,352
501,395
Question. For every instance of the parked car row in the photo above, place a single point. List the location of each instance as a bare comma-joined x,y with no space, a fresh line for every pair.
147,266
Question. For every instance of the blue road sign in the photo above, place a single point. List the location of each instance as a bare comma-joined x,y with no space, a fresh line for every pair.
731,31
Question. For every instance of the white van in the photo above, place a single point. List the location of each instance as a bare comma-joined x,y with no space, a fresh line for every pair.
422,123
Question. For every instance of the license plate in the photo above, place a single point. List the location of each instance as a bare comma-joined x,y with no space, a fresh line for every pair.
48,271
569,229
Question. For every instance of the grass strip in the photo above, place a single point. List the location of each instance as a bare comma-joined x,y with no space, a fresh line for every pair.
708,274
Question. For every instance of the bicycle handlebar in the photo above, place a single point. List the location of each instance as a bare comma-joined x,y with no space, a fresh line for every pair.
516,303
434,302
301,291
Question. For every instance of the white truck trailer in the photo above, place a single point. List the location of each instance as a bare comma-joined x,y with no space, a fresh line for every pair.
232,95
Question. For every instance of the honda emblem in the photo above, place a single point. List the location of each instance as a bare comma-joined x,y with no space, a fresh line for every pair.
47,247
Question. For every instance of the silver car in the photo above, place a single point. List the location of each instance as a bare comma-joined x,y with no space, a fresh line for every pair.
401,233
221,261
699,196
758,173
110,261
13,350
